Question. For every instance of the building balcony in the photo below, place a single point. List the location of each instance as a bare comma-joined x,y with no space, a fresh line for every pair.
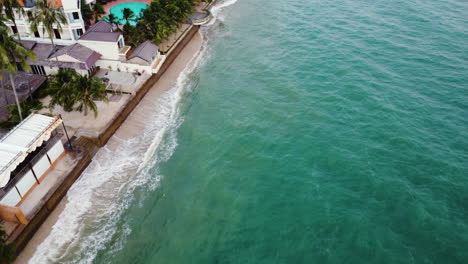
123,53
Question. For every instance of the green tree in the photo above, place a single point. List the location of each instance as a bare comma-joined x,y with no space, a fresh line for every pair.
86,12
13,54
90,89
98,11
9,7
69,89
7,252
62,90
113,20
128,15
46,16
163,17
27,107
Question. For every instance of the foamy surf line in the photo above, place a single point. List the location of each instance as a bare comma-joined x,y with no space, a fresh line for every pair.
96,202
104,191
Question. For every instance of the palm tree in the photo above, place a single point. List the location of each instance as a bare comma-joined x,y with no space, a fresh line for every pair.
90,89
13,54
68,88
98,10
62,90
45,15
86,12
9,7
113,20
128,15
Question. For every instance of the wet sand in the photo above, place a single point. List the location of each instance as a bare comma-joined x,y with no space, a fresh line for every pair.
134,123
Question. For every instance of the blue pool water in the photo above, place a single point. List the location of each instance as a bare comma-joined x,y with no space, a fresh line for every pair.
137,8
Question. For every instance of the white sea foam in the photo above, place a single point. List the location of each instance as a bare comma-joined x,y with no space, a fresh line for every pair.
217,8
105,190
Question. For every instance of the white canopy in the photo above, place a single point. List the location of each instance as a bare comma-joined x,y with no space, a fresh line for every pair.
22,140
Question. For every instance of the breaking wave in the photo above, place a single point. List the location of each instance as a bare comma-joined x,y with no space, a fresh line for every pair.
97,201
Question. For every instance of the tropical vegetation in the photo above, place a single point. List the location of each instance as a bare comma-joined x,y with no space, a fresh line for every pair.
7,252
27,107
128,15
47,16
113,20
73,91
9,7
159,20
89,14
13,54
86,12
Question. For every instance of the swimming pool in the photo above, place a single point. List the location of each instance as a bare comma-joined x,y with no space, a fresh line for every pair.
137,8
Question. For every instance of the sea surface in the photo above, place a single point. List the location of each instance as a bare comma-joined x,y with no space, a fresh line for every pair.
305,131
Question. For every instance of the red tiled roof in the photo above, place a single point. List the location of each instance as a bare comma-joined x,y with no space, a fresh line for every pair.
54,3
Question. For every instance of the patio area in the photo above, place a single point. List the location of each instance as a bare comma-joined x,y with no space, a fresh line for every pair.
80,125
122,82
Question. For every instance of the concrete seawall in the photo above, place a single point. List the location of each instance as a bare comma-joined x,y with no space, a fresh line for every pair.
122,116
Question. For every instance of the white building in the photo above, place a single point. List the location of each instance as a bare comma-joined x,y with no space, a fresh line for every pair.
97,46
74,28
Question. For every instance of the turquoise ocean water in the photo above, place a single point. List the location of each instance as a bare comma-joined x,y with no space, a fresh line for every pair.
306,132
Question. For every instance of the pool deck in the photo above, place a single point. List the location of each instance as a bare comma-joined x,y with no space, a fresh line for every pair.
109,5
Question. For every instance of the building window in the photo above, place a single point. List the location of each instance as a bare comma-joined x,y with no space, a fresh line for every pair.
14,29
57,34
76,16
79,32
36,34
38,69
91,70
30,16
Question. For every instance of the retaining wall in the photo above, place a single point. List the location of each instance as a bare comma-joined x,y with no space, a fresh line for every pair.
122,116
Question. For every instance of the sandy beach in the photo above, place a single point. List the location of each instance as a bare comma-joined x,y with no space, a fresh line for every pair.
131,127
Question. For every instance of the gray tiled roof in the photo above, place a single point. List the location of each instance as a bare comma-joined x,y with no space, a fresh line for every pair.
101,31
101,36
80,53
28,43
43,50
145,51
101,26
86,57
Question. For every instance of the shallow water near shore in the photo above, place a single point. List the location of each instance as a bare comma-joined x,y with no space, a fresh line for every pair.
304,132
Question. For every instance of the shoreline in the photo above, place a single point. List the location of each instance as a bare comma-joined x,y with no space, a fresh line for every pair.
134,123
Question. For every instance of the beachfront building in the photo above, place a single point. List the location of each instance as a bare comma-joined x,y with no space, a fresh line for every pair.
49,60
115,55
81,49
27,154
74,28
